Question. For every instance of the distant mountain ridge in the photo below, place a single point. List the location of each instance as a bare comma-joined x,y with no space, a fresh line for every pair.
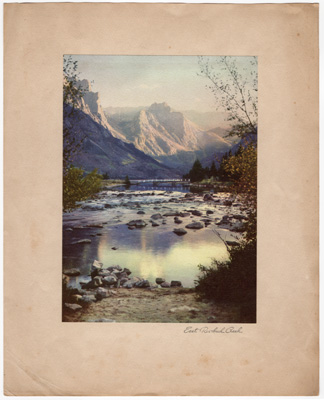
168,136
153,141
102,149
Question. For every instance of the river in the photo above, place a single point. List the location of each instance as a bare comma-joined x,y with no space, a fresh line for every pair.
152,251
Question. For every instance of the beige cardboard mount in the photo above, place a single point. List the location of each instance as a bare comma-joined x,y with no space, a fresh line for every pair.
276,356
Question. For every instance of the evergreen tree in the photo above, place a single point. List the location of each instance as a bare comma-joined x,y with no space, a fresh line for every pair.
197,172
213,170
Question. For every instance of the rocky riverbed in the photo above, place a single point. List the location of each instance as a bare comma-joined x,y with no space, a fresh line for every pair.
146,246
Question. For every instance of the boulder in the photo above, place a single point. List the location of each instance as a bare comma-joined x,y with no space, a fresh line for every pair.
107,205
184,214
177,220
179,231
97,281
72,306
159,280
189,195
165,285
128,285
156,216
196,212
142,284
138,223
140,212
209,212
227,203
109,280
172,214
97,264
176,284
113,267
127,271
114,248
208,197
71,272
155,224
123,280
101,293
195,225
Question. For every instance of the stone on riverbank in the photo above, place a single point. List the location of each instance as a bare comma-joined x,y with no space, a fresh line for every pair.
176,284
109,280
142,284
156,216
101,293
71,272
72,306
97,264
179,231
195,225
197,213
165,285
159,280
171,214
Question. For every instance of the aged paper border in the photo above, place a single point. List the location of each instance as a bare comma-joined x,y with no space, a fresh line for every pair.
276,356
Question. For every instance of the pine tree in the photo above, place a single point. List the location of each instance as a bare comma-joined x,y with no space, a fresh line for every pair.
213,170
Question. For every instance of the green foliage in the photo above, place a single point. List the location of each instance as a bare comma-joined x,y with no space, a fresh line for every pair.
233,281
197,172
77,187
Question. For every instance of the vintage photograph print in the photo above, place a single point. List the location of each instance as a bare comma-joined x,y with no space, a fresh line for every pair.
159,189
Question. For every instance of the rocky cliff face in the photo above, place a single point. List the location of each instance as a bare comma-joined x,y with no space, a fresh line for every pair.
90,104
168,136
101,149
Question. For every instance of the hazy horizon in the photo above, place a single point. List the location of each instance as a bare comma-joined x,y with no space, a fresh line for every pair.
139,81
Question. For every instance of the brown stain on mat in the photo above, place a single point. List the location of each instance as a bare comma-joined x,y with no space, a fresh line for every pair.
204,359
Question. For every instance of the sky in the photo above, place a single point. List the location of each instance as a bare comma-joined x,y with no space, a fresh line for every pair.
133,81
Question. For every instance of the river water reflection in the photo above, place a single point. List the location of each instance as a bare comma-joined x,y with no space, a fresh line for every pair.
148,252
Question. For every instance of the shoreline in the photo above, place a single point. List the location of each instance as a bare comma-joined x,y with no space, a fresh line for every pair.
176,305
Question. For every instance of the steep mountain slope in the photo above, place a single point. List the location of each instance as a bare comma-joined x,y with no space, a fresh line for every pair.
168,136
